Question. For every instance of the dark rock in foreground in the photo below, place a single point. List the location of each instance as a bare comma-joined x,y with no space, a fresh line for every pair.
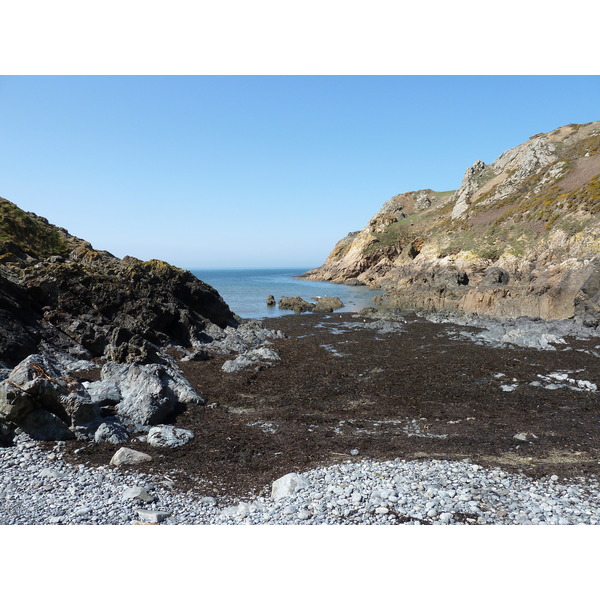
68,309
56,288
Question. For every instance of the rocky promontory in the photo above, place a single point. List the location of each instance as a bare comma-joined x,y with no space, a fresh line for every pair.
520,237
87,339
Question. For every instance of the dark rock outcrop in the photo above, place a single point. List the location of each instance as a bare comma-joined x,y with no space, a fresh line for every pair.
91,298
63,304
296,303
327,304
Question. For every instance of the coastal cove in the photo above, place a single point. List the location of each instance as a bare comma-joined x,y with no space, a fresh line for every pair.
246,290
134,391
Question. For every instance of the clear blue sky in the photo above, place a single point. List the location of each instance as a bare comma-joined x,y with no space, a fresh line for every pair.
256,171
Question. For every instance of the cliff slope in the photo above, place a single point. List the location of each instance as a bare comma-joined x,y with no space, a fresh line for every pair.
520,237
57,290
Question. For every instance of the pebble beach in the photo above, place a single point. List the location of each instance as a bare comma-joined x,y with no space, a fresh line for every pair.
38,488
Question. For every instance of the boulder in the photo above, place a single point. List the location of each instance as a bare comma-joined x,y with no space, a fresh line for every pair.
138,493
149,393
288,485
244,337
37,387
168,436
295,303
104,393
241,363
127,456
254,358
45,426
152,516
81,409
328,304
15,403
111,432
270,300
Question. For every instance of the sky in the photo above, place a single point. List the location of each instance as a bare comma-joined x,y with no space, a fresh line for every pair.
256,171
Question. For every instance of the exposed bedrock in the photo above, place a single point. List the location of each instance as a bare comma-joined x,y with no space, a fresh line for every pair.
85,337
520,237
563,292
59,290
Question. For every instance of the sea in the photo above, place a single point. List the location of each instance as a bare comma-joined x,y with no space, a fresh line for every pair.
246,290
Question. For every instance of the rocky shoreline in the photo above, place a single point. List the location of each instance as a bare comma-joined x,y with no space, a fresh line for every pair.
520,237
130,392
369,419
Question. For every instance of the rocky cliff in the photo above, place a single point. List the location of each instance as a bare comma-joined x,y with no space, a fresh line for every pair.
56,289
520,237
86,338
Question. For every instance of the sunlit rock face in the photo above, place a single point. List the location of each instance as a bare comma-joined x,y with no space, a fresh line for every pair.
520,237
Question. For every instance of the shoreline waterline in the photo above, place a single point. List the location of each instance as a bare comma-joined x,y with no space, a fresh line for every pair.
246,290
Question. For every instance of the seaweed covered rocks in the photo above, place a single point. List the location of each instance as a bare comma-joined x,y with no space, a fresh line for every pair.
86,337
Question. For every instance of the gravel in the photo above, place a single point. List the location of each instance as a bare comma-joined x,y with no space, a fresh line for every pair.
38,487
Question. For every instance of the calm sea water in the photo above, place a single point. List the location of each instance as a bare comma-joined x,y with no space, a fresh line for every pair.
246,290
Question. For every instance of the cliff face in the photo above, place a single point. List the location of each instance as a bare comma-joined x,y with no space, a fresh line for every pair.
520,237
55,289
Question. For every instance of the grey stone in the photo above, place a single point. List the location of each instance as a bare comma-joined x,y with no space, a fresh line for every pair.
105,393
111,432
152,516
288,485
52,474
356,498
138,493
149,392
42,402
168,436
521,437
127,456
15,403
251,359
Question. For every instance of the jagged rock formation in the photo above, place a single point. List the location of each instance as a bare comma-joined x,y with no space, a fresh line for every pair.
520,237
66,308
55,288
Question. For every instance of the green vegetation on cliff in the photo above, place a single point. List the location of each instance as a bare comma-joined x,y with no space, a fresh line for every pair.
34,235
565,195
